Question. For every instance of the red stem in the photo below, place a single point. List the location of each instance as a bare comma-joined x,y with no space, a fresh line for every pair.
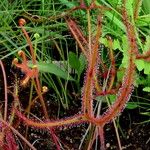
101,135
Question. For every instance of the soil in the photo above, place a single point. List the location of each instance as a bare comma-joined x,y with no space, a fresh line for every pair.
134,135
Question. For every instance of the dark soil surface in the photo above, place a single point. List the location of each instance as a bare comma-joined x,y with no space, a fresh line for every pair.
133,135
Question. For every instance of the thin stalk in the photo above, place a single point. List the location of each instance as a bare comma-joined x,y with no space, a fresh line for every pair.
64,91
53,85
5,89
59,49
28,110
115,126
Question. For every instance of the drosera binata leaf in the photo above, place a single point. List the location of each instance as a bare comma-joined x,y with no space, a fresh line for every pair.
47,67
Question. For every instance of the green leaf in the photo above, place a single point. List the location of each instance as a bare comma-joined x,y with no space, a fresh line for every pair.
146,6
125,51
146,89
145,113
147,43
112,98
143,80
104,41
147,68
120,73
83,63
140,64
53,69
131,105
67,3
116,44
114,3
143,21
74,61
115,20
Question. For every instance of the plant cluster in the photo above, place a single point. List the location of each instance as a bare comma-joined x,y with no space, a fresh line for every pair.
99,80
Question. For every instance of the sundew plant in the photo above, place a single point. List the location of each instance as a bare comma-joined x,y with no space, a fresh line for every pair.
100,79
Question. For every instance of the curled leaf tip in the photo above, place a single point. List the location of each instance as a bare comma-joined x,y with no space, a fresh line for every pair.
15,61
20,52
22,22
